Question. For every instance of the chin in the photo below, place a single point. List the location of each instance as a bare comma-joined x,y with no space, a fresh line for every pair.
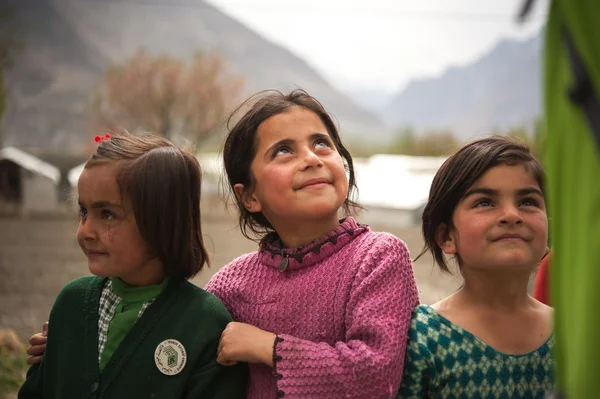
98,270
320,213
516,260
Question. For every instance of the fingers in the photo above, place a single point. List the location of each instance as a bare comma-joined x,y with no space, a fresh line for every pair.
224,347
32,360
223,357
37,346
224,361
36,350
38,339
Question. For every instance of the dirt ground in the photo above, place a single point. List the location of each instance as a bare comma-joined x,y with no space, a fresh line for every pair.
39,255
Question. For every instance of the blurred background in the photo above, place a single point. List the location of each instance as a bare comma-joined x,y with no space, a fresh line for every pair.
407,82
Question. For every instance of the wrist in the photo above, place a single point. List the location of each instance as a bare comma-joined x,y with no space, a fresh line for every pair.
269,349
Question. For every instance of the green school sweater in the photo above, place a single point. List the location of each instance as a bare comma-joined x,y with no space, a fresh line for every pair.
178,334
126,313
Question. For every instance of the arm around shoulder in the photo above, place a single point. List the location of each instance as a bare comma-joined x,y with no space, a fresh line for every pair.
210,379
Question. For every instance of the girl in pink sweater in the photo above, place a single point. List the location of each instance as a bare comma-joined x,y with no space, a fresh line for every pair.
322,308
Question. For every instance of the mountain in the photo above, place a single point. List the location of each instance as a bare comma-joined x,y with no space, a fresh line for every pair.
500,90
67,44
373,100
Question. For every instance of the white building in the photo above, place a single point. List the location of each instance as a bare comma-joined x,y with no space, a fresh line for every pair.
27,181
394,188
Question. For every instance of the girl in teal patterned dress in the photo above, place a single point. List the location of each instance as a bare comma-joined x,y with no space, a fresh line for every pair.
490,339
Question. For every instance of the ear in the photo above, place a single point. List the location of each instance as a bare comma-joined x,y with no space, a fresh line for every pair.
251,203
446,240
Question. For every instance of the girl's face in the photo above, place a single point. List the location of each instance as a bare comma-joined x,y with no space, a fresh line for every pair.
500,223
108,233
298,174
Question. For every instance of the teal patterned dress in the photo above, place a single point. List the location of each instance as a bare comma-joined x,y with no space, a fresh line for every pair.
445,361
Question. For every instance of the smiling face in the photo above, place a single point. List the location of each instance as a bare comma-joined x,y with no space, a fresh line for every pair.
298,174
500,223
108,233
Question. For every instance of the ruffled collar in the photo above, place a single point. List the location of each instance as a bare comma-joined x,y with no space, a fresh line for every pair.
272,253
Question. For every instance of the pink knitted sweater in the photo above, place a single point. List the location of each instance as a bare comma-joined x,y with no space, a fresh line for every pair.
341,309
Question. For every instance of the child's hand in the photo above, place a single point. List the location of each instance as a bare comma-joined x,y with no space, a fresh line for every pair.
242,342
37,346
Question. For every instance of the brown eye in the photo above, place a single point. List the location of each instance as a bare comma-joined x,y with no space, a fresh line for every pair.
484,202
282,151
107,215
530,202
323,143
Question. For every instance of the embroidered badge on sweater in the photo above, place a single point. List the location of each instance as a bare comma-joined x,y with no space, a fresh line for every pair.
170,357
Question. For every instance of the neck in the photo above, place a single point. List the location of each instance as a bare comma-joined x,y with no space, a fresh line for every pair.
506,291
294,234
150,274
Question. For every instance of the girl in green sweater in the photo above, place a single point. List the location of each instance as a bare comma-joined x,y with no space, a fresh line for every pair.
123,333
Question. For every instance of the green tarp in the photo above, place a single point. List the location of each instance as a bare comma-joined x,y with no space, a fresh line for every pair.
571,156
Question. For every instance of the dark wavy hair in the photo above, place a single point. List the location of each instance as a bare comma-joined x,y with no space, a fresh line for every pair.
163,184
241,146
458,173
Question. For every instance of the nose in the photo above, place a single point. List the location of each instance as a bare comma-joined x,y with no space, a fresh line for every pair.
311,160
86,230
511,215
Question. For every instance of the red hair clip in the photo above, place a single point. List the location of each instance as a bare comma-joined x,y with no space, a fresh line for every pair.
100,138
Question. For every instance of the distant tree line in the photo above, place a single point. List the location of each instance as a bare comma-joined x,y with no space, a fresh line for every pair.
443,142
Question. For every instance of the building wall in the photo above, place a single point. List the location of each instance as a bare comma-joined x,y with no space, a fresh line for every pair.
39,192
390,217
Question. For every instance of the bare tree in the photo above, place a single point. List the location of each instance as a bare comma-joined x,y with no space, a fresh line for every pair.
165,95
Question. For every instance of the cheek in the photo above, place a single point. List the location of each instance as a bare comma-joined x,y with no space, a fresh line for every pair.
540,224
79,235
472,229
339,172
110,232
274,181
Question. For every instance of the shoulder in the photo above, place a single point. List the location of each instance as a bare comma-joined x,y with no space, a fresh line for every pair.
425,324
75,295
79,287
379,242
204,305
236,267
231,275
382,251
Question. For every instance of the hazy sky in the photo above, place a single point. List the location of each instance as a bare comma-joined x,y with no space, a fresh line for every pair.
381,44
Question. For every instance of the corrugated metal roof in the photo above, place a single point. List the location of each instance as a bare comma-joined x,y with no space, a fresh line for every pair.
31,163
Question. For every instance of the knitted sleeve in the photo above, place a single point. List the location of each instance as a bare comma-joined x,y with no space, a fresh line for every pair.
369,362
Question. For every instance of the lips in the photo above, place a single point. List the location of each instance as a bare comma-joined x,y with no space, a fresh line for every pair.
91,253
510,237
313,182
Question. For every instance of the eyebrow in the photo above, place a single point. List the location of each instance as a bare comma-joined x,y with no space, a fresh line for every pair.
492,192
101,204
289,142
